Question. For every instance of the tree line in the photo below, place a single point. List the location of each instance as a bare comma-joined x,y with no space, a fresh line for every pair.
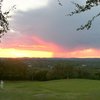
18,69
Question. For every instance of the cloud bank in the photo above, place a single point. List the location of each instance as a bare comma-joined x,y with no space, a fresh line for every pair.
49,29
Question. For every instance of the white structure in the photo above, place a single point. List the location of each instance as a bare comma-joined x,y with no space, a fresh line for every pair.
1,84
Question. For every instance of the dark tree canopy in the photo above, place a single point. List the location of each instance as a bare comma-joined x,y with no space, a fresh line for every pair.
89,4
4,24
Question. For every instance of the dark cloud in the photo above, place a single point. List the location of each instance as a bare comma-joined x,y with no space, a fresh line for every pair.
51,24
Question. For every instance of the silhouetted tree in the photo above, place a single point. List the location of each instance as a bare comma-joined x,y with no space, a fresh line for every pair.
89,4
4,24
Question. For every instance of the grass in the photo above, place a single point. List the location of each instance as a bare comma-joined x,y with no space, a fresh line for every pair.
72,89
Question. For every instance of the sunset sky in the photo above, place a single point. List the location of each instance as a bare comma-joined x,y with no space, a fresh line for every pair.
39,28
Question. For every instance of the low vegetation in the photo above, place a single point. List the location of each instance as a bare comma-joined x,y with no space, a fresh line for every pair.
72,89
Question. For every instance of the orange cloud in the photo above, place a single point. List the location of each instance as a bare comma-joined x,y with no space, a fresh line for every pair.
33,46
36,47
84,53
13,53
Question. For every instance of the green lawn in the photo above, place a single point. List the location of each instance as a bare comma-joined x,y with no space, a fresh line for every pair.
72,89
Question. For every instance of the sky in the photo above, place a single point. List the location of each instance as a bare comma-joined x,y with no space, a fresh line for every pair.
40,28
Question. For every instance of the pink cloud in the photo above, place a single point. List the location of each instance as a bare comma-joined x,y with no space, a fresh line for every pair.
35,43
83,53
29,42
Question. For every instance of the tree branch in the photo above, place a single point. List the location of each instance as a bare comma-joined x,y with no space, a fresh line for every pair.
82,8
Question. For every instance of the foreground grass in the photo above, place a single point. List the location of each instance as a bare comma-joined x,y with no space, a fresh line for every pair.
74,89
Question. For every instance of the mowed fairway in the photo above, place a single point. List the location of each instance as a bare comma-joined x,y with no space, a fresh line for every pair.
72,89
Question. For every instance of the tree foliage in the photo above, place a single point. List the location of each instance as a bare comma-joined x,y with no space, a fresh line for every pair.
4,23
19,69
89,4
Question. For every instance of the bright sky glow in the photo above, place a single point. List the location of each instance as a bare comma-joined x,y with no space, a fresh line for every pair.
18,53
14,53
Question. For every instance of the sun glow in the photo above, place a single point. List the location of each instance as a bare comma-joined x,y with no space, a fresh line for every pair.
19,53
15,53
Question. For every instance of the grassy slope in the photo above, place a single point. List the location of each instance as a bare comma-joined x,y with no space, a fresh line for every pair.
74,89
